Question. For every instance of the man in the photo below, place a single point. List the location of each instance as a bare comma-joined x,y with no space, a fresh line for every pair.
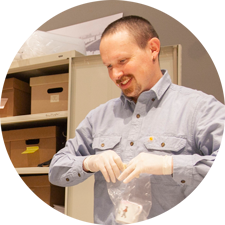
167,131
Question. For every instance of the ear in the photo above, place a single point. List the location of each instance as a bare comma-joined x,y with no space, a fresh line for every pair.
154,46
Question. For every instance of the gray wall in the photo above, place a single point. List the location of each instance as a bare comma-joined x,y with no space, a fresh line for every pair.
197,25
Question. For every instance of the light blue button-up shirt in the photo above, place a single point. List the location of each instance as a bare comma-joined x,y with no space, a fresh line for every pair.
166,120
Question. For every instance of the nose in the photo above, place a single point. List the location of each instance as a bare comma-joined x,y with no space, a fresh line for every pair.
117,73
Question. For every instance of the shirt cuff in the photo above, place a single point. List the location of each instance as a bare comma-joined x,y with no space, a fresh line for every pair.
76,174
182,169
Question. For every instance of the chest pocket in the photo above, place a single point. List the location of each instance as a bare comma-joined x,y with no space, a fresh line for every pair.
164,143
105,143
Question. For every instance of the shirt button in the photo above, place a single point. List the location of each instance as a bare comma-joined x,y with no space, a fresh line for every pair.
67,179
138,115
153,99
132,143
163,144
79,175
102,145
183,181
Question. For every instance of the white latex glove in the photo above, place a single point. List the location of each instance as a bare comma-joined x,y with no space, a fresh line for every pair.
108,162
147,163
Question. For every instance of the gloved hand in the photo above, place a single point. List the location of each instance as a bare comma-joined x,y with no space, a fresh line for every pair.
108,162
147,163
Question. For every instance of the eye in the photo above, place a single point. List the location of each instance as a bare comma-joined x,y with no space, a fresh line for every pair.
123,61
109,67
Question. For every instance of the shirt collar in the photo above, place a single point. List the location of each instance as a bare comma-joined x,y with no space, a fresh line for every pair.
159,88
162,85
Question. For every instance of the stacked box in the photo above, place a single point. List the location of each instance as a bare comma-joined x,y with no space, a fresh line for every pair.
16,98
32,146
31,198
49,93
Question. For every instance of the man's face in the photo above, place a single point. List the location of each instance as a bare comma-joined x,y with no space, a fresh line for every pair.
130,67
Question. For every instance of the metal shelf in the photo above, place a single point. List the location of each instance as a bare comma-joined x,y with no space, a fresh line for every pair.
42,62
40,119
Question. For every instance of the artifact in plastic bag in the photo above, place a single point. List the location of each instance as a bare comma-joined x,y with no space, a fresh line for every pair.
132,201
128,212
45,43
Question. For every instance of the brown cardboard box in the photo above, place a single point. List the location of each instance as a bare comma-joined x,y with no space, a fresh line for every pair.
17,94
4,149
32,146
49,93
31,198
2,197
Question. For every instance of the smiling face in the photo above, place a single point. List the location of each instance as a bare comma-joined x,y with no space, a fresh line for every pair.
131,68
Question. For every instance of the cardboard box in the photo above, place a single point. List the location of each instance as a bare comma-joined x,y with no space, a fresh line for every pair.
4,149
2,197
31,198
32,146
49,93
15,99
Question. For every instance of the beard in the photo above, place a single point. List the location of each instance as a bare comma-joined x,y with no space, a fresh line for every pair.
134,90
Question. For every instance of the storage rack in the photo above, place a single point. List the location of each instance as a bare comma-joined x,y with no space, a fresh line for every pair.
24,70
89,86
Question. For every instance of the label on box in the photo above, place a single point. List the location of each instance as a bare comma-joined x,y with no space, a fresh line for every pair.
30,150
25,204
54,98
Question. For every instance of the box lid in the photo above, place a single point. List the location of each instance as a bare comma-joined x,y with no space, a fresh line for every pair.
30,133
14,83
27,181
42,80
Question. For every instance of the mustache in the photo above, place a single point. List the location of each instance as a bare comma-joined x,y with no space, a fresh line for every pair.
123,78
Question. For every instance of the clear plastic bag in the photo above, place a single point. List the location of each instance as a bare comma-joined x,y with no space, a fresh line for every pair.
132,201
45,43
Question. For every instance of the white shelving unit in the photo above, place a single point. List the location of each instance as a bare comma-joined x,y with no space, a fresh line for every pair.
24,70
89,86
81,70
